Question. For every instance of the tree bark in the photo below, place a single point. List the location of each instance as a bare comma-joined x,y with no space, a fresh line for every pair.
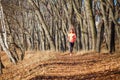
91,22
100,34
3,36
44,25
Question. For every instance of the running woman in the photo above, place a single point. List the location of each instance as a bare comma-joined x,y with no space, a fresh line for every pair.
71,39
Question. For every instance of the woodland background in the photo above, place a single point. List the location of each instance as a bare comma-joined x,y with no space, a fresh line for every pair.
40,25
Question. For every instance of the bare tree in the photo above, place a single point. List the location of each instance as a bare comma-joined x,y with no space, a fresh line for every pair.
3,35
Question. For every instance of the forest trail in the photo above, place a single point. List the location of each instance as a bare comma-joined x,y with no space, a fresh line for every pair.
92,66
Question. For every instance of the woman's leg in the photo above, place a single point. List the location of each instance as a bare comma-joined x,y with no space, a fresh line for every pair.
71,46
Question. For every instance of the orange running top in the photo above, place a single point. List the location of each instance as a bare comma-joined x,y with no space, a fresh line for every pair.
71,37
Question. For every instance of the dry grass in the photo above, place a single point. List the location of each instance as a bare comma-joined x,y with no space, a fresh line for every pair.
31,59
82,52
45,64
33,56
41,55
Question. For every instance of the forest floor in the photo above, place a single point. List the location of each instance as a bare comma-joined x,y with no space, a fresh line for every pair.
62,66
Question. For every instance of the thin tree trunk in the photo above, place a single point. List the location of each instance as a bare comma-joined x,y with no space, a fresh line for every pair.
44,25
100,33
106,24
1,65
3,36
91,22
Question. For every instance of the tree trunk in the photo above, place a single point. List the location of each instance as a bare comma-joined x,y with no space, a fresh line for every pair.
1,65
3,36
44,25
100,33
91,22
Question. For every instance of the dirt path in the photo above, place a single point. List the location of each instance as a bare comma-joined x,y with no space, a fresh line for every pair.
65,67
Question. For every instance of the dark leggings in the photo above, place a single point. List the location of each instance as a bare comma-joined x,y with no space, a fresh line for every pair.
71,46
